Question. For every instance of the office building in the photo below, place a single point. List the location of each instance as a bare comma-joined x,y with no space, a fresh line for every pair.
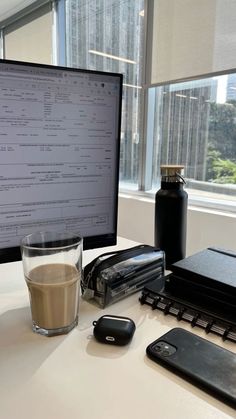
231,87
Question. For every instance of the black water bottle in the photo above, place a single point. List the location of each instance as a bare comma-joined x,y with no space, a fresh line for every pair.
171,214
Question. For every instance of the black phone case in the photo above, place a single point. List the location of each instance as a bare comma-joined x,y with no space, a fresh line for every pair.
201,362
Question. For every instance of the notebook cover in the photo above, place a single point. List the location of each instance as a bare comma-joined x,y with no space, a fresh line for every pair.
213,267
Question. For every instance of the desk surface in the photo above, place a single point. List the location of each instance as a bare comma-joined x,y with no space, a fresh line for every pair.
75,377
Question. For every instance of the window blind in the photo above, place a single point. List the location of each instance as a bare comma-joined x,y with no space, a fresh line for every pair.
192,38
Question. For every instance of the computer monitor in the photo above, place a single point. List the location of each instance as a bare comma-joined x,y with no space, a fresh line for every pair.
59,153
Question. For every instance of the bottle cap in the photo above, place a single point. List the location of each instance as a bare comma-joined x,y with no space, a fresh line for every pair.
172,172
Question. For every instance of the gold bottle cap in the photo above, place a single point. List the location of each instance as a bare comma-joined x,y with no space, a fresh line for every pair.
172,172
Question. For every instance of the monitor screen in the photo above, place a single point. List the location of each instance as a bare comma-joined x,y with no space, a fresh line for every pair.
59,153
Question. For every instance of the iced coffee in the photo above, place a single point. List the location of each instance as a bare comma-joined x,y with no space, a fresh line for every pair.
53,284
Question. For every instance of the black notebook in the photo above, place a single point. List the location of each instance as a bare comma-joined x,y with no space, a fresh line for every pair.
201,290
212,267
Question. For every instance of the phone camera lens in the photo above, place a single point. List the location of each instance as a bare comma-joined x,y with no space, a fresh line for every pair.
165,353
158,348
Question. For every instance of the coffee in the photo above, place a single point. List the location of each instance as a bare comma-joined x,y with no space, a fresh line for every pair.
54,293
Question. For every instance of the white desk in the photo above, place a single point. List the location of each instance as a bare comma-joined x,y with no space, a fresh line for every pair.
75,377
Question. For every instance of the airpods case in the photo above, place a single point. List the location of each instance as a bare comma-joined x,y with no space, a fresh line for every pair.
114,330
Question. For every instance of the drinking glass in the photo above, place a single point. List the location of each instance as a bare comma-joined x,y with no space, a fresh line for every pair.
52,264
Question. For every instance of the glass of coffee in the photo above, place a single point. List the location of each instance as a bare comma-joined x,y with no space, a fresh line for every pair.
52,264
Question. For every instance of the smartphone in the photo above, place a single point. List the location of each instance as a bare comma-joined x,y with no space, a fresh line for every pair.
205,364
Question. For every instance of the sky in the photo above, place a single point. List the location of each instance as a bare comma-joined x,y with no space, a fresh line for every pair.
221,89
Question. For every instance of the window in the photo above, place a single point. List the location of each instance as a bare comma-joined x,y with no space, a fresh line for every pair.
29,38
108,35
169,113
187,122
193,117
195,125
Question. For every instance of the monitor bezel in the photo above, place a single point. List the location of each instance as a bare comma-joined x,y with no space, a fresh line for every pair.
12,254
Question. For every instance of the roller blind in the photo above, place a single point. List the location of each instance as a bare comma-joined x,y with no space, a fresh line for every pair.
31,41
10,7
192,37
